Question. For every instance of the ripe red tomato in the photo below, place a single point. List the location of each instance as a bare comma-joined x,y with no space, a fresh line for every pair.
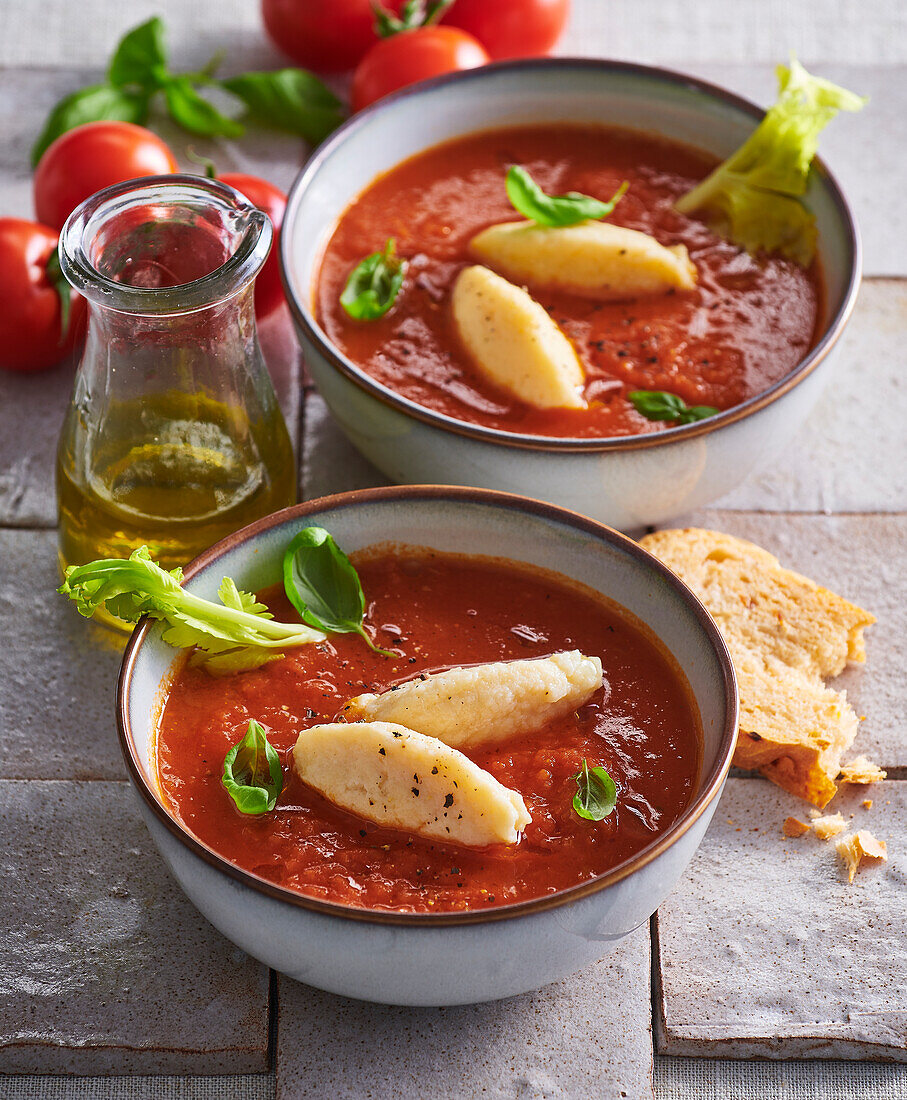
268,287
409,56
91,157
30,307
329,36
511,28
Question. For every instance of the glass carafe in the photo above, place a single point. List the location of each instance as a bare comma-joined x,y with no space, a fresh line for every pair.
174,437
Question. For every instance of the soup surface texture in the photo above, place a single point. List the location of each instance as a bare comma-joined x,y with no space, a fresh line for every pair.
746,325
438,611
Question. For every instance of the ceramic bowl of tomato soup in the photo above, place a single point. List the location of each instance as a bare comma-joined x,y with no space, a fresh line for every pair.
453,578
427,168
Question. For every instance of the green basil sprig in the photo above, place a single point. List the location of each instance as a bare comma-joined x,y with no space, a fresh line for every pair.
554,211
290,99
252,774
373,284
323,586
659,405
596,794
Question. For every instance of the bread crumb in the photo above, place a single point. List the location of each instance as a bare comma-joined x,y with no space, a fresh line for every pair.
829,825
861,770
867,803
862,845
793,827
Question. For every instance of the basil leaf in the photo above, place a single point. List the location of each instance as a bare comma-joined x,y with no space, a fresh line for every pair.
659,405
596,794
373,284
289,99
252,774
140,58
194,113
323,586
555,210
92,104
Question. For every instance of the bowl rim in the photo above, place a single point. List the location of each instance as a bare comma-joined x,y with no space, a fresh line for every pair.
305,320
711,782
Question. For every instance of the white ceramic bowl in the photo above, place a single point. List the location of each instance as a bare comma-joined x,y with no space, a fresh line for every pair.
626,482
447,958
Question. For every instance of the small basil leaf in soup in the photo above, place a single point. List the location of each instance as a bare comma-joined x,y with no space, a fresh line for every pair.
554,211
373,284
659,405
252,774
596,794
323,586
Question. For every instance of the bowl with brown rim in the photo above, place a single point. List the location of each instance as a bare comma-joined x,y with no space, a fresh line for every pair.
450,957
626,481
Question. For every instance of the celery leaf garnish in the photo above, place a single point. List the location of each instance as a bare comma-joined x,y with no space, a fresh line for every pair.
753,197
240,630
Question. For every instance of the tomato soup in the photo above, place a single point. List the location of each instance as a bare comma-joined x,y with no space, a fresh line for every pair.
437,611
746,325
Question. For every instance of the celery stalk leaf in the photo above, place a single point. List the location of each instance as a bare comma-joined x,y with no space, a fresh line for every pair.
753,197
130,588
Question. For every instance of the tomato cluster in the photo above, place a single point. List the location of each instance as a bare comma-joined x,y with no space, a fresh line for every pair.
335,35
40,322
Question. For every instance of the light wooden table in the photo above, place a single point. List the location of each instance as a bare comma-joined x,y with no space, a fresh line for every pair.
761,952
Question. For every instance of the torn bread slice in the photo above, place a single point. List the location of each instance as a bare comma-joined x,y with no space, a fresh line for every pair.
399,778
486,704
593,259
764,605
785,634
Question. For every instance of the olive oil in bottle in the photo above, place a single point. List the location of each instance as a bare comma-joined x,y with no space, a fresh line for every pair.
174,472
174,438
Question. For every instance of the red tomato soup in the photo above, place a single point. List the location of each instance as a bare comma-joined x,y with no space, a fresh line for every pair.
438,611
747,324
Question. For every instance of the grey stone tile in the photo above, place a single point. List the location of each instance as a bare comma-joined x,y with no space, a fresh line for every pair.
851,454
32,407
862,558
105,967
766,951
58,672
586,1036
705,1079
330,463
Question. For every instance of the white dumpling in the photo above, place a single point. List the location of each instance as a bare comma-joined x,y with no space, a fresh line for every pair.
514,342
399,778
486,704
592,259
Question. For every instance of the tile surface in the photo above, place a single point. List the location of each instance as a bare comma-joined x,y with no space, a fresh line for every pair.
864,559
329,462
586,1036
105,967
766,951
58,672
